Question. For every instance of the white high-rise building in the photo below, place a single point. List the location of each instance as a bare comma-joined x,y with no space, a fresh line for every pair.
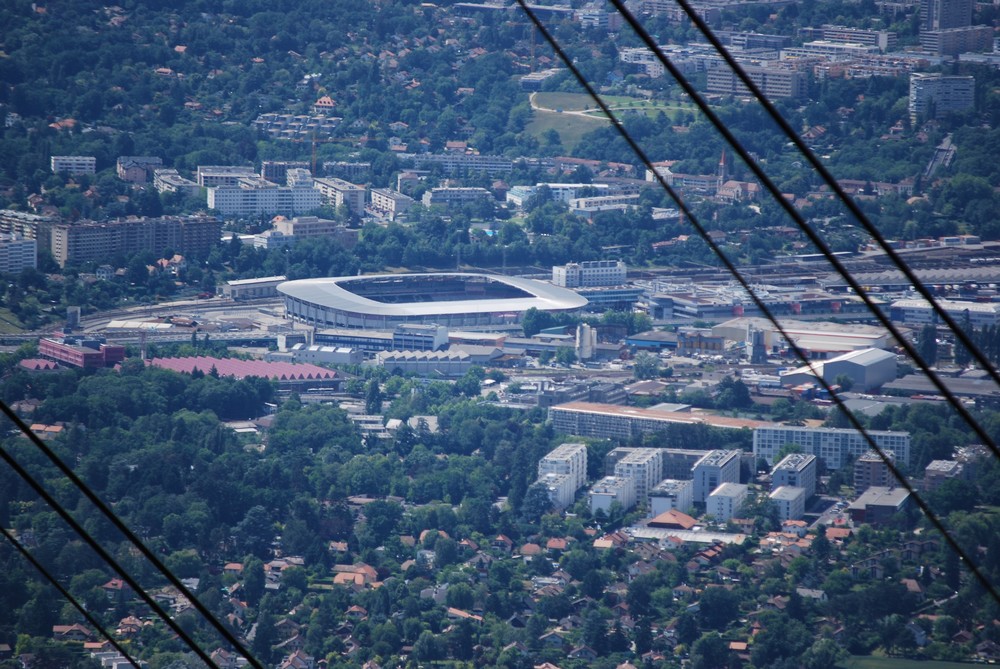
569,459
645,466
725,501
835,446
714,469
611,489
790,501
590,273
17,253
671,494
795,469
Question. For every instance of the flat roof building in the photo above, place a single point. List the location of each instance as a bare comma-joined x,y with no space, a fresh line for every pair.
671,494
73,164
713,469
871,470
608,421
797,470
645,466
611,489
790,502
725,501
877,505
568,459
835,446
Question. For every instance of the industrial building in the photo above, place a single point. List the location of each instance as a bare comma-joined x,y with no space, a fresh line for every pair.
818,339
867,369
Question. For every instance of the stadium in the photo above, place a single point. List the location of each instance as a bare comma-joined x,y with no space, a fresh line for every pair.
449,299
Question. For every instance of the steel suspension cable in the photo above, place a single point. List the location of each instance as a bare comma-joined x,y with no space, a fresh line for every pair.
128,534
758,301
813,236
68,596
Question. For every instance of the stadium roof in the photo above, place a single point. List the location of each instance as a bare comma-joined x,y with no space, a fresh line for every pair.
336,293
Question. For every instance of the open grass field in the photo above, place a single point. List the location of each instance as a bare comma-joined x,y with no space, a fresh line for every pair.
873,662
574,114
9,323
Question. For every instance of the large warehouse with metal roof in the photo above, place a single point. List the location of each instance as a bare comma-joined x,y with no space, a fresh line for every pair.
451,299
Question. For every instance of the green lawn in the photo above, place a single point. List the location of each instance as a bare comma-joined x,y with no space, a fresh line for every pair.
9,323
873,662
571,127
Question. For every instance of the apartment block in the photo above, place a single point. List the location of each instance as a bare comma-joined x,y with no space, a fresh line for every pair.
472,163
73,164
883,39
569,459
933,95
835,446
607,421
137,169
455,197
338,193
29,226
671,494
304,227
954,41
223,175
611,489
276,171
944,14
938,471
790,502
797,470
17,253
590,273
725,500
871,470
254,196
645,466
390,204
712,470
169,180
96,241
773,81
560,487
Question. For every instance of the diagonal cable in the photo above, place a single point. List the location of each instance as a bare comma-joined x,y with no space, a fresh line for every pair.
821,169
758,301
101,552
68,596
815,238
132,538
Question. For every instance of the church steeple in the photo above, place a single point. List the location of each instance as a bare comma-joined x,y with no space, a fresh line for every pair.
723,175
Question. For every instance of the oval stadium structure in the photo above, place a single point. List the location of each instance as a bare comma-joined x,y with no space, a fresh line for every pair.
448,299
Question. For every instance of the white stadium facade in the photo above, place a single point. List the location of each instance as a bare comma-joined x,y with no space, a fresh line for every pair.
451,299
